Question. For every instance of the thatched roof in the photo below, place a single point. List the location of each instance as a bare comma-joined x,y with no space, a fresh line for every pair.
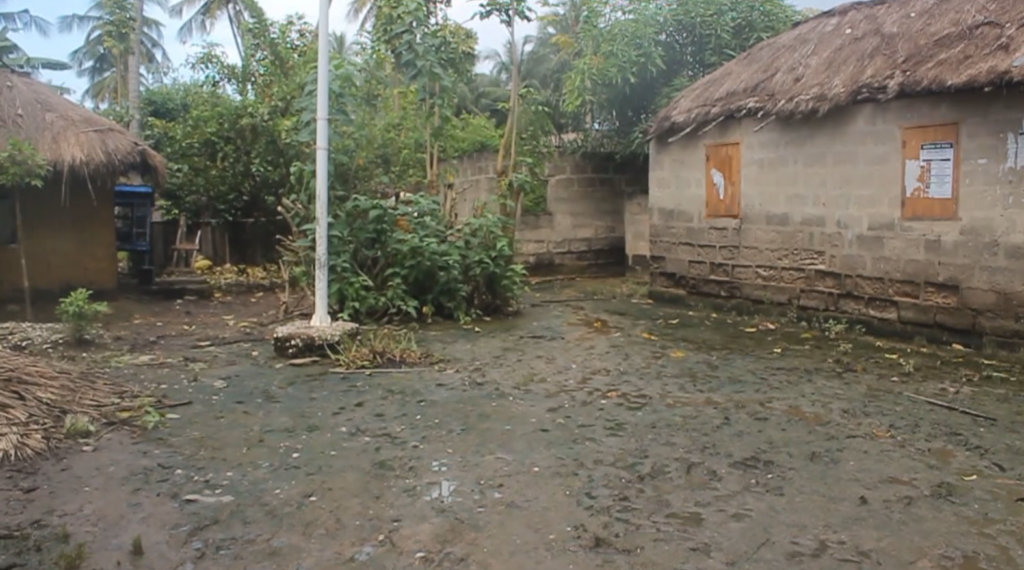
76,141
857,52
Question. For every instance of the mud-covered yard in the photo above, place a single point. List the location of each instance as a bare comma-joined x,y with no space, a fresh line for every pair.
594,433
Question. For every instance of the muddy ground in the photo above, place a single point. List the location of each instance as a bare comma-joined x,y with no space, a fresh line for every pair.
594,433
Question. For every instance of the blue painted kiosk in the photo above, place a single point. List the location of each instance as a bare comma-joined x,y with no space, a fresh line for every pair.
133,216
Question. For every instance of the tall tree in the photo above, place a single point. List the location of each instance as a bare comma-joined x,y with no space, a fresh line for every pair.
103,57
206,13
12,54
135,71
20,20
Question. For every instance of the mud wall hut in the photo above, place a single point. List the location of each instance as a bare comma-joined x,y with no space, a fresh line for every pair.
869,161
68,224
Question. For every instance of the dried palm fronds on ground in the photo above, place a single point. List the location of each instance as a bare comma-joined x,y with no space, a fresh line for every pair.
384,347
39,398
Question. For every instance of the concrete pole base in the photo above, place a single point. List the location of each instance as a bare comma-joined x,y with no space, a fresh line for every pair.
300,339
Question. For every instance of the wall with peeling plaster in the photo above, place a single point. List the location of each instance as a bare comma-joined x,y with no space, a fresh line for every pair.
587,227
821,225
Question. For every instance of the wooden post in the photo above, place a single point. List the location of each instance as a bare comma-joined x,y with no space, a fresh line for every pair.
18,227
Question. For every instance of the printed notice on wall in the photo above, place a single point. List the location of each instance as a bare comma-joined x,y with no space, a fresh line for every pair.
936,179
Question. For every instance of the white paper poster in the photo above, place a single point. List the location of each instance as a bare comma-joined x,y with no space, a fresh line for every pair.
937,169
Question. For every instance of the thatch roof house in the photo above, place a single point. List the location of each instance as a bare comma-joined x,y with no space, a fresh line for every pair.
870,160
68,225
858,52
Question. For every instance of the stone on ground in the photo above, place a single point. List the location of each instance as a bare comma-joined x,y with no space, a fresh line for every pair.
300,339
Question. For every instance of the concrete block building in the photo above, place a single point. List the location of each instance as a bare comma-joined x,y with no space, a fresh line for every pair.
868,161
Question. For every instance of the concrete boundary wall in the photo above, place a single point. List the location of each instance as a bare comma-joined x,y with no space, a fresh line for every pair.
584,227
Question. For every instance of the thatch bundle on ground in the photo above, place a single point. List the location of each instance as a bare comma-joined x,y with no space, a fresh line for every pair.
37,397
78,143
864,51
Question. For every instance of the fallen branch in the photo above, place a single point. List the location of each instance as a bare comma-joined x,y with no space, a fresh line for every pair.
572,300
949,406
373,370
225,342
170,405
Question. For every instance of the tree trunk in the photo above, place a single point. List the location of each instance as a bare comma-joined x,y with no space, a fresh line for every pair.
21,253
236,33
135,73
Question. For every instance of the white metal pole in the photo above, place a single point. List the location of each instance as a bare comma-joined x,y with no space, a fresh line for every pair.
321,317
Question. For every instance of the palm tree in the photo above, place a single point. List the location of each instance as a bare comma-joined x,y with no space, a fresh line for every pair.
103,58
340,46
24,20
13,56
362,11
206,14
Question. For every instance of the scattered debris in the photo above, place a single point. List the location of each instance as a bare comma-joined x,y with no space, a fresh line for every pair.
207,498
36,397
949,406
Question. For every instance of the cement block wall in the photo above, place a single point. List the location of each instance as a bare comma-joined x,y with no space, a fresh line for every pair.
638,235
584,227
821,223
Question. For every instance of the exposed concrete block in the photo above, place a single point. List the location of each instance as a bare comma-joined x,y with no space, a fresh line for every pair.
881,223
901,289
852,304
956,319
744,273
827,280
867,286
763,293
883,309
981,299
698,269
913,313
817,300
999,324
870,244
529,247
920,269
941,294
721,270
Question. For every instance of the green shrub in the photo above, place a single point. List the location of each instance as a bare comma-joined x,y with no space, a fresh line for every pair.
406,261
80,313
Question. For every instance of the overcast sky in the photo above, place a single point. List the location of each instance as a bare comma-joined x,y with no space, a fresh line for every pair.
58,46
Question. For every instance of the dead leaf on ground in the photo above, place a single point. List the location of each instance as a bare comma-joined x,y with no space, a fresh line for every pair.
649,336
956,346
968,477
767,326
674,322
750,330
882,433
612,394
677,354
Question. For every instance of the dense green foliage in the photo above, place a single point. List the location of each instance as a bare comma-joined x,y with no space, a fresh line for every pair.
408,261
406,94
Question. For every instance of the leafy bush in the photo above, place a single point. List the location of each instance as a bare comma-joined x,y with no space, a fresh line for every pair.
406,261
80,313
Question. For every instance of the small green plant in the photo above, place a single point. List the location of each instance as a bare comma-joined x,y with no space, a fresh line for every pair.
137,549
72,558
78,426
63,535
80,313
151,418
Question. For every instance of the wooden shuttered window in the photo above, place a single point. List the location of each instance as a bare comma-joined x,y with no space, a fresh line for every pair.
722,180
931,173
